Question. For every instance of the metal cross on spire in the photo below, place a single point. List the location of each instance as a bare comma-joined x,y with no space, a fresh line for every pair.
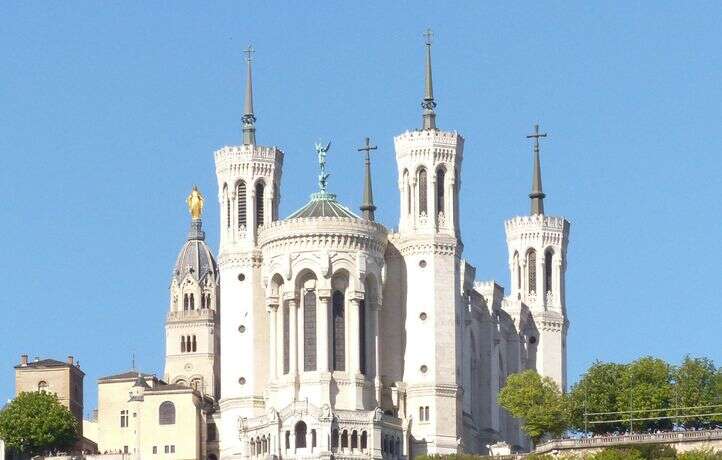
536,195
428,103
249,53
429,35
367,206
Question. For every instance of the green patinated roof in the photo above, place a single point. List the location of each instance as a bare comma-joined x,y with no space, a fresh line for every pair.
323,204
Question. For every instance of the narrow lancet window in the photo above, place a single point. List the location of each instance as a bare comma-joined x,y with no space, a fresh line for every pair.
531,270
422,192
362,335
339,332
286,340
548,256
440,176
260,187
241,201
309,331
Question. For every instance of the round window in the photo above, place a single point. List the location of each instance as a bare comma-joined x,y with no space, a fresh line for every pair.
424,369
241,328
422,263
422,316
242,380
241,277
532,340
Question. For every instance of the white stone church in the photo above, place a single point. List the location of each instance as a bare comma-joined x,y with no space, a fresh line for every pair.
327,334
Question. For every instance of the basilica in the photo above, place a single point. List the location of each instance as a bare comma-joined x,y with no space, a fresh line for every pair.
326,334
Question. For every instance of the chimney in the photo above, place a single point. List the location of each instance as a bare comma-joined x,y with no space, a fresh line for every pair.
23,360
70,360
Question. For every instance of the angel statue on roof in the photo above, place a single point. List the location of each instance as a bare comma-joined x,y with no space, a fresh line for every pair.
322,177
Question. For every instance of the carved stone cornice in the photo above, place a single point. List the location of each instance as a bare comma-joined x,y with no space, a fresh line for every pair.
239,259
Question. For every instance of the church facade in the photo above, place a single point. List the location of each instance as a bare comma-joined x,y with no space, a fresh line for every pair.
327,334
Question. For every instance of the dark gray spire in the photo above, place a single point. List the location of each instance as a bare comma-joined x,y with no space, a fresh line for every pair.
367,206
536,195
249,119
428,104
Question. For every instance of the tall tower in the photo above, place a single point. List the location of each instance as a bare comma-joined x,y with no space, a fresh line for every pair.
248,176
192,346
429,168
537,246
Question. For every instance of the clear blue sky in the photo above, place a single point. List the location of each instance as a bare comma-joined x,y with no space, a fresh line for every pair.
110,112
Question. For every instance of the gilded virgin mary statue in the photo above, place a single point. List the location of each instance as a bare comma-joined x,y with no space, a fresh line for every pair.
195,203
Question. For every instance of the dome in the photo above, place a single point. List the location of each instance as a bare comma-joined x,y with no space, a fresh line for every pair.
195,258
323,204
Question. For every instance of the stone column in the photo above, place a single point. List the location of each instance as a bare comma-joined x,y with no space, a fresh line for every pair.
293,336
352,338
431,200
272,330
377,354
323,314
540,294
251,214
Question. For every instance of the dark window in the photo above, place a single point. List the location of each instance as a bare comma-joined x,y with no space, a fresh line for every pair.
286,340
300,432
309,331
288,439
166,413
241,200
212,457
440,190
362,335
422,192
183,344
364,440
167,449
344,440
124,419
313,438
172,449
426,413
334,439
548,255
155,449
185,301
531,269
259,204
354,439
211,432
228,212
339,332
194,343
192,302
125,449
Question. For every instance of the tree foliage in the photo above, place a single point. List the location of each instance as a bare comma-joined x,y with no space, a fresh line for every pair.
599,390
35,423
537,402
698,383
646,384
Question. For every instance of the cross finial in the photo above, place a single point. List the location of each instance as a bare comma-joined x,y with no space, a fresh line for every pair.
429,35
367,206
536,135
249,52
367,147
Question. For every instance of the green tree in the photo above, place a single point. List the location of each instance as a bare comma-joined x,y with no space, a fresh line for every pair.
537,401
646,384
597,391
700,454
35,423
695,385
617,454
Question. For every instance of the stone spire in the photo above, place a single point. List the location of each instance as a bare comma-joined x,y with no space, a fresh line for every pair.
428,104
536,195
367,206
249,119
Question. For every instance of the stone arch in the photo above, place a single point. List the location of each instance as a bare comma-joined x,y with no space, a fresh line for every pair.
259,188
440,192
300,430
241,193
549,256
531,274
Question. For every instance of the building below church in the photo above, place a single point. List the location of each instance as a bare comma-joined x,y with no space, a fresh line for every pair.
327,334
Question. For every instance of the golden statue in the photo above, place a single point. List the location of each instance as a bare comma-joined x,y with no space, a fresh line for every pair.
195,203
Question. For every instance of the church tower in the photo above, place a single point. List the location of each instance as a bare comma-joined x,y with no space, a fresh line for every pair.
537,246
191,330
429,168
248,176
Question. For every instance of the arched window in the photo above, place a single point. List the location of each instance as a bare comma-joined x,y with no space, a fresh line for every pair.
422,192
42,385
344,440
313,438
208,301
300,432
362,335
185,302
241,201
260,188
548,256
259,448
440,175
288,439
309,330
334,439
364,440
354,439
531,270
191,302
183,344
203,301
194,343
339,332
166,413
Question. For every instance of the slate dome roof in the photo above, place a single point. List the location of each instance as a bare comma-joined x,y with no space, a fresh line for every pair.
195,257
323,204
